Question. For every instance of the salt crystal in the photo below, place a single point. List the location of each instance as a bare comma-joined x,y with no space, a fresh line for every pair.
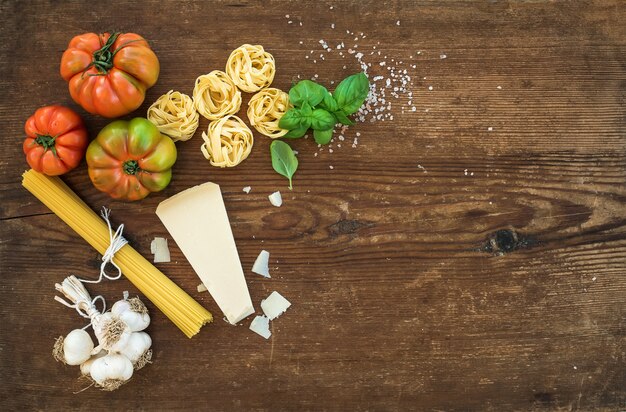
430,88
286,16
442,56
332,26
499,87
331,167
398,23
490,129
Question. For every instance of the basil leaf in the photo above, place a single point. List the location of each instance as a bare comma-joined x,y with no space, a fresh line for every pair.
322,120
306,91
342,118
329,103
322,136
296,133
284,161
352,92
305,111
290,120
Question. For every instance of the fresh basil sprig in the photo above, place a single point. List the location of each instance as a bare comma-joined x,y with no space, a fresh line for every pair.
318,109
284,161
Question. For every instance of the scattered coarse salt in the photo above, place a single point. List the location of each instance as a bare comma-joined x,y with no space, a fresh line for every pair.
430,88
274,305
331,167
261,264
247,189
465,172
490,129
499,87
261,325
398,23
442,56
290,22
332,26
276,199
286,16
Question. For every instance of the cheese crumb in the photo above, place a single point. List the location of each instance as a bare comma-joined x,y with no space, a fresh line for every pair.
261,264
158,247
247,189
261,325
201,288
274,305
276,199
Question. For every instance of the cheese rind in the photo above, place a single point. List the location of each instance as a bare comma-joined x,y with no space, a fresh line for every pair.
197,220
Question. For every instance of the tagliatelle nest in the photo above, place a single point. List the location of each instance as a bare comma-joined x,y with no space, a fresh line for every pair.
175,115
251,68
265,110
227,142
215,95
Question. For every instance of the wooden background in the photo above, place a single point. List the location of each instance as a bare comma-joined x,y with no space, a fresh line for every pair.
438,266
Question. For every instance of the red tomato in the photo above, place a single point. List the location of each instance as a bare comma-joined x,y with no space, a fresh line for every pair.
56,140
108,74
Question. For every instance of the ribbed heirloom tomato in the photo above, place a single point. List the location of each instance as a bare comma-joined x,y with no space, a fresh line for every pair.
56,139
130,159
108,74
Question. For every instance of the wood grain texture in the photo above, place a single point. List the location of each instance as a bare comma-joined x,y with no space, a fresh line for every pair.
405,295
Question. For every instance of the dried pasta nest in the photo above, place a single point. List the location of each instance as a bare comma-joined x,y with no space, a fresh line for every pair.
175,115
215,95
227,142
265,110
251,68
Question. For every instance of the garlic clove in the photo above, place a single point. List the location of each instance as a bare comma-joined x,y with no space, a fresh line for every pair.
77,347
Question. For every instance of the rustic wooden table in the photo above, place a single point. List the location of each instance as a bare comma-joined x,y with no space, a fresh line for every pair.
467,253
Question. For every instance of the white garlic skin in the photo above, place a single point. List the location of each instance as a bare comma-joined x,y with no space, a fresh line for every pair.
77,347
136,321
138,344
112,366
85,367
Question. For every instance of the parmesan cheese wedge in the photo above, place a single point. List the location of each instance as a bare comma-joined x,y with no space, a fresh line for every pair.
197,220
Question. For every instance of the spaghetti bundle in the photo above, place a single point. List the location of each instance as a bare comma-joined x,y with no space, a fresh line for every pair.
174,115
251,68
265,110
175,303
227,142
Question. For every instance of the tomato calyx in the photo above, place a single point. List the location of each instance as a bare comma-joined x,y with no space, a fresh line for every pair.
47,141
103,57
131,167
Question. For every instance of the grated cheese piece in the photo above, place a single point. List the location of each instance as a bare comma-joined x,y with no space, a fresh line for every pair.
261,264
276,199
202,288
247,189
261,326
158,247
275,305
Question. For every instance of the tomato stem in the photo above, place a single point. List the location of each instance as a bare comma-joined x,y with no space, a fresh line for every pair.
103,57
131,167
47,141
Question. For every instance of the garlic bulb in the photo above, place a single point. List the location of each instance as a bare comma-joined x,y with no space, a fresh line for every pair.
85,367
138,349
133,312
111,371
112,332
74,349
